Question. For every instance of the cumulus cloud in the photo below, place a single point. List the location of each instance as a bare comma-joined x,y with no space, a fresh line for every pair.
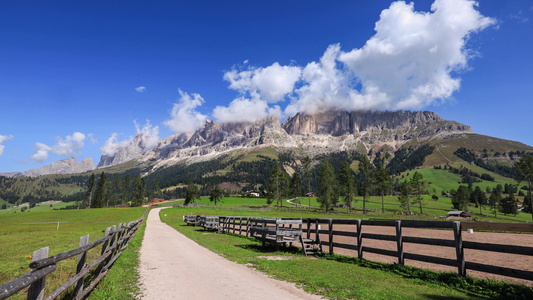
140,89
245,110
185,117
149,136
271,84
113,145
408,64
70,146
412,61
4,138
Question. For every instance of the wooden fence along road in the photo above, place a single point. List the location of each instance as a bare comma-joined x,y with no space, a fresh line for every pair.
236,224
113,243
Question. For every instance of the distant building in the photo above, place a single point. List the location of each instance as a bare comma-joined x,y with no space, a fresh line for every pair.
252,194
459,213
310,194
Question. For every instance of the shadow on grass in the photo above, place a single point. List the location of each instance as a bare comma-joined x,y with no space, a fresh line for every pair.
475,287
269,248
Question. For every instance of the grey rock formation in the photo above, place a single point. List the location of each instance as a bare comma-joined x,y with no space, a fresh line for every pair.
65,166
133,150
309,134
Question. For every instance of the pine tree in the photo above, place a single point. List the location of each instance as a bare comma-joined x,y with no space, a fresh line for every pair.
90,191
418,183
278,183
525,173
306,176
139,191
383,182
479,198
295,187
365,171
461,198
216,194
125,189
346,184
100,193
494,200
508,205
192,194
405,194
326,186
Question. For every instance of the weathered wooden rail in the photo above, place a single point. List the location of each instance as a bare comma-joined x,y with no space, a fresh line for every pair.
115,240
314,232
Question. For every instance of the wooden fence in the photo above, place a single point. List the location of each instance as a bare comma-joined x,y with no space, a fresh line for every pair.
235,225
113,243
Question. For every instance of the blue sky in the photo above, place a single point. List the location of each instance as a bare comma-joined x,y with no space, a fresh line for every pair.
75,75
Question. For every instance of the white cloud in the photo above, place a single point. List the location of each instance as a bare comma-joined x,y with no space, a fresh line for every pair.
113,145
148,134
41,152
185,118
4,138
245,110
272,83
70,146
411,62
140,89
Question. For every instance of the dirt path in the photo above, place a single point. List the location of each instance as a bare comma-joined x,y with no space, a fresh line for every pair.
175,267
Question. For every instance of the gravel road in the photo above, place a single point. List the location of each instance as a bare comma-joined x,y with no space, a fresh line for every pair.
175,267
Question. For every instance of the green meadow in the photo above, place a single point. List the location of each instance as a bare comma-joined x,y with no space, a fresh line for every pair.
22,233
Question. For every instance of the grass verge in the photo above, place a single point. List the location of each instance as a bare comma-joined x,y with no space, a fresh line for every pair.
340,277
122,280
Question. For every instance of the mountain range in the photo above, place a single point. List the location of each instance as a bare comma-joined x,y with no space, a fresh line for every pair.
303,134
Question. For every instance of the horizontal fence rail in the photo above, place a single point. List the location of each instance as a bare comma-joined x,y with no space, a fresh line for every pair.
235,225
113,243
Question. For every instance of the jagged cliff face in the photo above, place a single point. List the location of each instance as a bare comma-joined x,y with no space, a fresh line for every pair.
310,134
66,166
134,150
337,123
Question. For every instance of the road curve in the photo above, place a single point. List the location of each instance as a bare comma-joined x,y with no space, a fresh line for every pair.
175,267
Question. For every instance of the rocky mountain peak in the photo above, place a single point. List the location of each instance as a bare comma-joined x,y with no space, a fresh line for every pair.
65,166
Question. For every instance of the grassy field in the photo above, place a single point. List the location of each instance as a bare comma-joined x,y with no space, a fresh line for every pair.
22,233
431,209
339,277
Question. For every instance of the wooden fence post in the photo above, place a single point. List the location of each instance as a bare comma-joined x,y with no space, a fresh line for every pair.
240,225
104,247
82,258
399,241
459,248
359,240
308,228
330,228
248,226
36,290
317,235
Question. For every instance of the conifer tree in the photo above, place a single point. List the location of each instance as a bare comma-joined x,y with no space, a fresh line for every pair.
100,192
126,189
418,183
90,191
494,201
508,205
278,183
346,184
525,173
295,187
405,194
365,171
326,186
216,194
192,194
383,183
306,174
